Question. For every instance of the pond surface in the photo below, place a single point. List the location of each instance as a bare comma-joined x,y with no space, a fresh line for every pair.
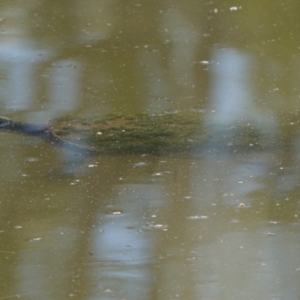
222,223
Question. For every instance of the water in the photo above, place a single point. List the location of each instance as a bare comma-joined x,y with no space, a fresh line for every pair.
223,224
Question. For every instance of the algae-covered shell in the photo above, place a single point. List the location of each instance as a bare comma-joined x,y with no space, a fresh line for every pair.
158,134
143,134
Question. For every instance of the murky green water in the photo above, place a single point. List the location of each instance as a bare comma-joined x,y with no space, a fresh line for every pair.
222,224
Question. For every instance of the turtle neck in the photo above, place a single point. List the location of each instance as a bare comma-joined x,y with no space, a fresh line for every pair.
26,128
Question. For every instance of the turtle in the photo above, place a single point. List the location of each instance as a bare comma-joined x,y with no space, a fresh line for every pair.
157,134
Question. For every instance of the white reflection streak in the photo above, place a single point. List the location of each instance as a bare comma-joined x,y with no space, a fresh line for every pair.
114,241
20,86
120,257
230,94
122,252
64,87
184,40
19,63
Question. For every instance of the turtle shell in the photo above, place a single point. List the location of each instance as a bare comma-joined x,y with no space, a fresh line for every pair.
143,134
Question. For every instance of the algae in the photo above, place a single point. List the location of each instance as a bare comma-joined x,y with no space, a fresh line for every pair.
157,134
149,134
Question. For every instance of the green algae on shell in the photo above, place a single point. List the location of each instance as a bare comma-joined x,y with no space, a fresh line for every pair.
158,134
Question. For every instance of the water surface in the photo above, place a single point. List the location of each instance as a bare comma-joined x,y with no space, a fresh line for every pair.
222,224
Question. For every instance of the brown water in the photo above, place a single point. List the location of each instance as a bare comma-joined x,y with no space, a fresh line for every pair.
221,225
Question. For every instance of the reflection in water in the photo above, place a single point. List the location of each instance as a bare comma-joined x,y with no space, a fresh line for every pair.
122,250
19,64
157,227
232,91
232,88
64,87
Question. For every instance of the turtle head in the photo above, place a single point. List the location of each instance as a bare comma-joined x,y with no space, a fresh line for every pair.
5,122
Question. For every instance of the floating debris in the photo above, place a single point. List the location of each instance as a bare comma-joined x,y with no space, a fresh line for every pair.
197,217
33,159
36,239
141,164
161,226
114,212
233,8
269,233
